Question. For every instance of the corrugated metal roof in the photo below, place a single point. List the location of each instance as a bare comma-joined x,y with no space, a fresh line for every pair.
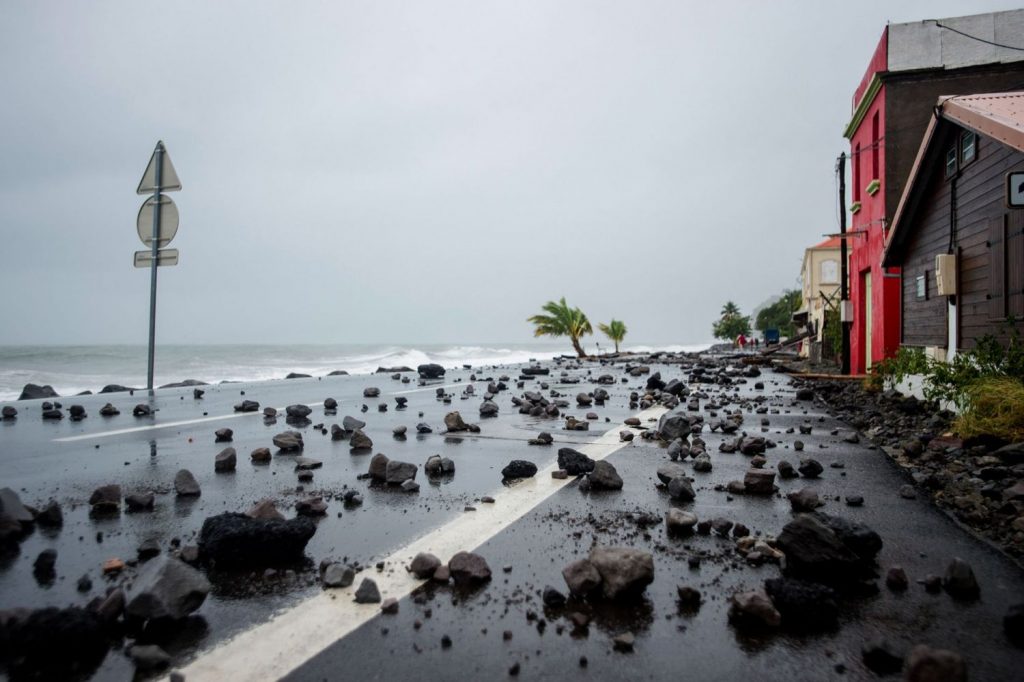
996,115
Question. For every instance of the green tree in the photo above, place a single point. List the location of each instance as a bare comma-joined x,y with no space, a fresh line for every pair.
614,330
731,324
779,315
562,320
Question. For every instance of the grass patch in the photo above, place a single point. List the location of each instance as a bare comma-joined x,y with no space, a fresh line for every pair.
993,406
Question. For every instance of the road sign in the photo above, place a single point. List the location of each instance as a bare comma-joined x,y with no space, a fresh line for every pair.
168,221
169,181
144,259
1015,190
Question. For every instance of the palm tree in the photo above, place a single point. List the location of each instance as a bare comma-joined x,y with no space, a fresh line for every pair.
614,330
562,320
730,309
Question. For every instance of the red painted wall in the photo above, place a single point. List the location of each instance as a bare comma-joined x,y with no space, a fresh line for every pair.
868,242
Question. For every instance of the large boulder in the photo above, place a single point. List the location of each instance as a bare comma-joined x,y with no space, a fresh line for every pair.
36,392
519,468
925,664
106,498
397,473
681,489
753,609
185,484
468,568
581,577
959,580
11,506
298,411
379,467
624,571
351,424
360,441
288,441
672,426
52,643
423,565
604,477
453,422
430,371
166,588
759,482
237,539
225,461
816,551
574,462
804,606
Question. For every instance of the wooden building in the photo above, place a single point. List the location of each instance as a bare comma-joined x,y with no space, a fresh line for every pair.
956,203
912,65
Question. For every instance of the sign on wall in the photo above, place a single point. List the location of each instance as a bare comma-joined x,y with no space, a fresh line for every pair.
1015,189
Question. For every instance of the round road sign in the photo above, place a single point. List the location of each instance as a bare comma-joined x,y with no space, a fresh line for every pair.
168,221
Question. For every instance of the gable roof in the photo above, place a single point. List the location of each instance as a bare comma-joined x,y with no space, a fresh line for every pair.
999,116
830,243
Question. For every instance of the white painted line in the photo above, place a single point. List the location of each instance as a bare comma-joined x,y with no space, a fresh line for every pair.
273,649
166,425
151,427
434,388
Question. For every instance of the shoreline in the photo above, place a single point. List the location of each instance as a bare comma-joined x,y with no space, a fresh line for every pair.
276,364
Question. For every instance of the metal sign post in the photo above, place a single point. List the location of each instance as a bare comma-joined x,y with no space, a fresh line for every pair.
158,177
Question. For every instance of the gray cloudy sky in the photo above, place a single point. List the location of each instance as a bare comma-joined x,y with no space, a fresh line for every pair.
420,172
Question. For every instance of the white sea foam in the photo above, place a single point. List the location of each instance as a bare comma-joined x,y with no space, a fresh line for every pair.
73,369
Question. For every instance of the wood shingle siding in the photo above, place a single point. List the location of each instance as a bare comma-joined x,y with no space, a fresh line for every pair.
989,243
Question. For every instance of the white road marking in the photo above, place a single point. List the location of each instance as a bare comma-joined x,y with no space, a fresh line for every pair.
166,425
434,388
151,427
274,649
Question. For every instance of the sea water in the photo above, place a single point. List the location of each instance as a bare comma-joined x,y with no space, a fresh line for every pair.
73,369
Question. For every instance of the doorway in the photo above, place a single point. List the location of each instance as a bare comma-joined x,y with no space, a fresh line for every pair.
866,288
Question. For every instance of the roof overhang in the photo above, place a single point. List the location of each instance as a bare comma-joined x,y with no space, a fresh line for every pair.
988,115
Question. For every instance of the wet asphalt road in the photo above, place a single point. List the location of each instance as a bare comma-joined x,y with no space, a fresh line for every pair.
669,644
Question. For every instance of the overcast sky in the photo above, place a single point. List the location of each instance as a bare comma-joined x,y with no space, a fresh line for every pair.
420,172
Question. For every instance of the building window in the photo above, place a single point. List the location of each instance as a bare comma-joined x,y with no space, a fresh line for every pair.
951,162
856,173
829,272
968,147
875,144
922,286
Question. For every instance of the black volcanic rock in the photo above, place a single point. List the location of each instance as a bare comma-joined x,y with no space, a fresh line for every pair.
239,540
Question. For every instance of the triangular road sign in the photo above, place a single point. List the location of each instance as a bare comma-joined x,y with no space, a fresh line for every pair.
169,181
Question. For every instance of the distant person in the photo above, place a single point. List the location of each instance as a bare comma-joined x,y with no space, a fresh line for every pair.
741,341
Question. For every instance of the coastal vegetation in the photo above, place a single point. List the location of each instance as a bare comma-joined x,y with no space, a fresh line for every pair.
985,383
614,330
779,315
731,324
561,320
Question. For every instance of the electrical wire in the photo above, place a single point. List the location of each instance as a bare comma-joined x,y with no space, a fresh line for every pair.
980,40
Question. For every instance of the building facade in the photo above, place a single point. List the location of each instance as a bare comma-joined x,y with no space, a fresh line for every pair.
819,277
956,204
912,66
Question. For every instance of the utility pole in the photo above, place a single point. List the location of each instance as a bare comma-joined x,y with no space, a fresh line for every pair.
844,286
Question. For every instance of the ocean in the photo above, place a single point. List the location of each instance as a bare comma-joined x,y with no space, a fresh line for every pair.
73,369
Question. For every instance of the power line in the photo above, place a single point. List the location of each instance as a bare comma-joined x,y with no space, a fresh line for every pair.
980,40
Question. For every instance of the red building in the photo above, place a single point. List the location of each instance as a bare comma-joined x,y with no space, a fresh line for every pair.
913,64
